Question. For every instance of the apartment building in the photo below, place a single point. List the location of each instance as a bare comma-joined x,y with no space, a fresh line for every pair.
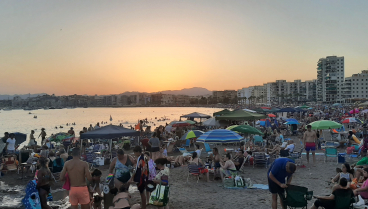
224,96
330,79
167,99
356,87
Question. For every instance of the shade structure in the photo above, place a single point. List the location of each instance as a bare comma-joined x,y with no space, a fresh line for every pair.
59,137
180,124
222,112
364,111
192,134
260,110
212,122
336,104
271,115
245,129
287,109
20,137
109,132
325,124
266,108
220,136
241,115
274,109
195,115
300,110
291,119
190,122
304,107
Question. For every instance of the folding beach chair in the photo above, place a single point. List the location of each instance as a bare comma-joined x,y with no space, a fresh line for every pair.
90,157
331,152
208,149
193,170
258,140
296,197
344,202
9,164
260,159
297,156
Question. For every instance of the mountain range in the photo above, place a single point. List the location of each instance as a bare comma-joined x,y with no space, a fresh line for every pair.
195,91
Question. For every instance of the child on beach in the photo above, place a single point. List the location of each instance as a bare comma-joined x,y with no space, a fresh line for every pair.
121,199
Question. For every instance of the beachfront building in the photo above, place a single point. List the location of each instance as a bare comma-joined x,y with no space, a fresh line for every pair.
181,99
244,94
330,79
226,96
356,87
167,99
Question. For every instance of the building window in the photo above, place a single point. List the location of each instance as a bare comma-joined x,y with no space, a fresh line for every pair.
353,80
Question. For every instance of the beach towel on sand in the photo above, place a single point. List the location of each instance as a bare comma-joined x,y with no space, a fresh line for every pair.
32,199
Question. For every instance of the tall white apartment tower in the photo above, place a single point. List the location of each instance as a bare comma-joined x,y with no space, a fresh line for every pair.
330,79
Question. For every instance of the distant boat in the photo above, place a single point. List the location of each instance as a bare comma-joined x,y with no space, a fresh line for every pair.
110,118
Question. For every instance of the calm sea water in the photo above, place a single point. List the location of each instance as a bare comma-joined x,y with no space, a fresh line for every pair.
22,121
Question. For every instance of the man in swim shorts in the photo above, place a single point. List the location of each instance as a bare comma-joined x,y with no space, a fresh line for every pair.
310,142
78,172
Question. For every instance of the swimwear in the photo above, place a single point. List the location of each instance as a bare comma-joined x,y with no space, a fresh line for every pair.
217,165
79,195
122,172
45,187
310,146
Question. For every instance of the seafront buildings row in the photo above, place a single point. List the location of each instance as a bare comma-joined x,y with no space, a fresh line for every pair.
330,86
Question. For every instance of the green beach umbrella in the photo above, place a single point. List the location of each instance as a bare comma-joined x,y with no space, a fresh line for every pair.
304,107
325,124
245,129
190,122
190,135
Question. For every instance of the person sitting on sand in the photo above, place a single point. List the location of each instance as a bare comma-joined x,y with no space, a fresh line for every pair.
227,166
196,160
239,159
121,199
94,185
328,202
346,173
363,190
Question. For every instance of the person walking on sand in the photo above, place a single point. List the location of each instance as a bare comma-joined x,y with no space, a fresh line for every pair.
90,128
78,173
310,142
279,170
71,131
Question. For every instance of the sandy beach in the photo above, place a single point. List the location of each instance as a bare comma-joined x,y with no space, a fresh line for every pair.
208,195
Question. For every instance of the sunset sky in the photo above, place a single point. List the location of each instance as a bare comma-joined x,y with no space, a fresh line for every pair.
109,47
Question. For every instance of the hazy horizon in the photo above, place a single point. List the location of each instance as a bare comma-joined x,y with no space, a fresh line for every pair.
110,47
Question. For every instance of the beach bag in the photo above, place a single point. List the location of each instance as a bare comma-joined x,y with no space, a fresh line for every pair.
32,199
160,196
239,182
354,184
66,185
350,150
229,182
248,183
109,183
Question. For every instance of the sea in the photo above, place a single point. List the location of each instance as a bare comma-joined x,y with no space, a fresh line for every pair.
56,120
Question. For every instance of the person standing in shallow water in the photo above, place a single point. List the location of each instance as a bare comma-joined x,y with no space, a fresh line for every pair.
78,173
43,136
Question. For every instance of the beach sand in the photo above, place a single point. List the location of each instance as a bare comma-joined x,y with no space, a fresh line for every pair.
212,195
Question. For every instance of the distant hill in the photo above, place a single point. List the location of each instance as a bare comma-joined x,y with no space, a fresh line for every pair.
23,96
195,91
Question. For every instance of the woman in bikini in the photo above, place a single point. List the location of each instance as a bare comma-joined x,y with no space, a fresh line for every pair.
200,165
43,182
122,164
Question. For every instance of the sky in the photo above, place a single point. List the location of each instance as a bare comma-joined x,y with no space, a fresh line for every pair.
109,47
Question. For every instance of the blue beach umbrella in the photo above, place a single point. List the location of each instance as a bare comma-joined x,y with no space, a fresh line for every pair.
220,136
292,122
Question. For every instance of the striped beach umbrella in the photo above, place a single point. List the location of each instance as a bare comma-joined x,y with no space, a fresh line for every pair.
220,136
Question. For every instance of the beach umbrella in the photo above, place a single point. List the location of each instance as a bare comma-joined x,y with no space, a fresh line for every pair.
349,120
59,137
222,112
292,122
245,129
192,134
288,109
211,122
180,124
190,122
248,110
20,138
354,111
291,119
364,111
325,124
336,105
304,107
241,115
271,115
266,108
220,136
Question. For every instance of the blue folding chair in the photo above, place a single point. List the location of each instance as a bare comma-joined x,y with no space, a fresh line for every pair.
258,139
208,148
351,156
187,143
331,152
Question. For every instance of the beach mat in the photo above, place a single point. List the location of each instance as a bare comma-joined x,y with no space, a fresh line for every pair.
255,186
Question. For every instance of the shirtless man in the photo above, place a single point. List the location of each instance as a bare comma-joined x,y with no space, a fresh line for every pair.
78,172
310,142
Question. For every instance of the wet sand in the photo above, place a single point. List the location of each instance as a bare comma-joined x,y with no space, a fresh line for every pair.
203,195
